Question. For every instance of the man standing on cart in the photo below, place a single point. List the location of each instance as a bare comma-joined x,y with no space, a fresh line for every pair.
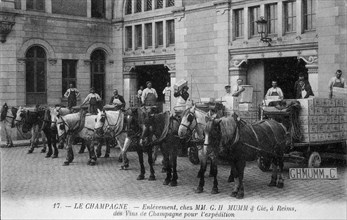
274,91
336,81
302,88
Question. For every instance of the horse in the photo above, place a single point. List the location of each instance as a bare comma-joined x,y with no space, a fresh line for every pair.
77,125
32,120
152,123
7,118
242,142
108,125
55,112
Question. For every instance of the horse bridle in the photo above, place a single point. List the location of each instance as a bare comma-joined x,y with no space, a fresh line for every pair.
190,130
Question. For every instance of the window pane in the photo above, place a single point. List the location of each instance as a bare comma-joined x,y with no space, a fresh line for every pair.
170,32
40,52
313,21
30,76
128,7
41,79
30,4
159,4
148,5
138,7
40,5
239,23
170,3
148,35
138,35
98,8
128,37
159,33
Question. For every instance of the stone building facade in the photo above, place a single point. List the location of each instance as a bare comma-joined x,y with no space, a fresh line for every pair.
123,43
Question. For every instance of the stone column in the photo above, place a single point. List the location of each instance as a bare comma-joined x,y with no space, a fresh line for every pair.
89,8
48,6
108,9
129,83
237,73
172,71
312,67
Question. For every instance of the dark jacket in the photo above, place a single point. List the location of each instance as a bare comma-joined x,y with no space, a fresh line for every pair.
307,87
184,95
120,99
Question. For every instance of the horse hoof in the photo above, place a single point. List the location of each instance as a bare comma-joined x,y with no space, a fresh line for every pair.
120,159
48,155
173,183
272,184
240,195
43,150
199,190
106,156
98,155
66,163
9,145
280,185
234,194
166,182
214,191
151,178
30,151
55,156
141,177
92,163
230,179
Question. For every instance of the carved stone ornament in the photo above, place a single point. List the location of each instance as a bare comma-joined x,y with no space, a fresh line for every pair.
21,60
222,6
310,59
237,63
52,61
127,68
171,66
179,13
7,20
87,62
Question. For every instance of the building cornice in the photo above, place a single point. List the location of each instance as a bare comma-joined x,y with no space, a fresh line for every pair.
144,59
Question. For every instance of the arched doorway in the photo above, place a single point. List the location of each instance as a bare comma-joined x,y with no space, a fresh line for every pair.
98,72
35,72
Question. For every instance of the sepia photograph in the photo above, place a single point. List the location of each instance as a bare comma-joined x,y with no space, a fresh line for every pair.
173,109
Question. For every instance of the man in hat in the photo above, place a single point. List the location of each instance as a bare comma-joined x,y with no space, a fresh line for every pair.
302,88
139,95
149,95
117,100
93,99
71,94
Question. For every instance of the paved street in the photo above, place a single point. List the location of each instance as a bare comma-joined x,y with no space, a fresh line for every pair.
32,177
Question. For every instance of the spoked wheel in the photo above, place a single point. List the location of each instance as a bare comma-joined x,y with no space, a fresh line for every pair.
264,163
314,160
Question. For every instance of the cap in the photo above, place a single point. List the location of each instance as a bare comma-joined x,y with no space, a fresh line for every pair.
148,82
227,86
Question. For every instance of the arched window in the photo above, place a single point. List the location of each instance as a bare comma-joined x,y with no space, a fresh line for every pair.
98,61
35,71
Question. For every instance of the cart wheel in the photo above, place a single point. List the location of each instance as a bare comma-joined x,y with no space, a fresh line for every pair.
263,164
314,160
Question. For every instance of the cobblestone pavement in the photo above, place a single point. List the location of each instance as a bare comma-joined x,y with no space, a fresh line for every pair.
27,177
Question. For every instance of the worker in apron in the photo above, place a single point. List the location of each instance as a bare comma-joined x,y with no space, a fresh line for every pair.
274,91
336,81
149,95
71,94
117,100
93,99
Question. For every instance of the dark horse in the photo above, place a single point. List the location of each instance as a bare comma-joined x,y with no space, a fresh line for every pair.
242,142
148,123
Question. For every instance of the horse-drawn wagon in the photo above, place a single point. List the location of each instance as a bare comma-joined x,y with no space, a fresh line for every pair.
317,129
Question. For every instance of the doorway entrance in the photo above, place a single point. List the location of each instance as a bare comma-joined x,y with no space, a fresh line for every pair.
98,61
286,72
158,74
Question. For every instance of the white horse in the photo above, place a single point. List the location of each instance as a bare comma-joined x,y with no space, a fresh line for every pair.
8,115
77,125
109,125
29,123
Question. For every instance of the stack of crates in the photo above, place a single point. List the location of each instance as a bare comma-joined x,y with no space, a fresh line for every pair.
323,119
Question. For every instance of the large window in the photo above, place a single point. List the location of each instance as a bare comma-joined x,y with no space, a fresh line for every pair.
68,74
148,38
170,3
98,72
148,5
289,16
253,17
128,38
37,5
170,32
138,36
35,71
271,17
159,33
309,12
238,22
98,8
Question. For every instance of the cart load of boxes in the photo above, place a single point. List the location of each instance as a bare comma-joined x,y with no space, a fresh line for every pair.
323,119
